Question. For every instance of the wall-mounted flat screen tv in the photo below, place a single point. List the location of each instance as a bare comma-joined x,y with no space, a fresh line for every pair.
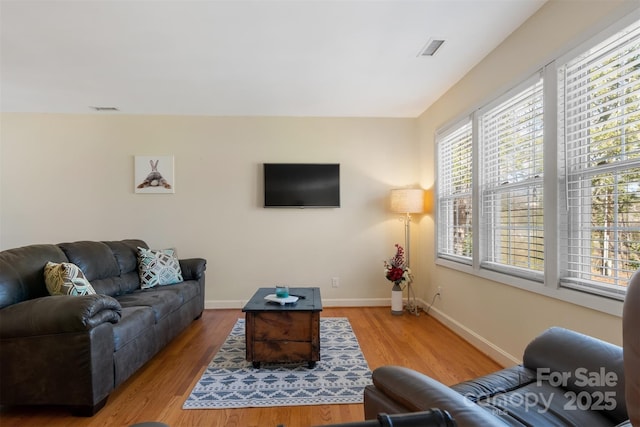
301,185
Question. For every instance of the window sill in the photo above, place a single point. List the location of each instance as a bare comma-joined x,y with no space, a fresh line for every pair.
583,299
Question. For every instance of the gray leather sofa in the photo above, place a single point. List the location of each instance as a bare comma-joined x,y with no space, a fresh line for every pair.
566,379
75,350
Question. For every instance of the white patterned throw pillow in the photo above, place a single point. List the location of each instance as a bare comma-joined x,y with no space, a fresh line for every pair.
158,267
66,279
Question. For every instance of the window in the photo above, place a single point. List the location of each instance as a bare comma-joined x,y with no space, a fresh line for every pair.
600,126
455,233
512,183
558,153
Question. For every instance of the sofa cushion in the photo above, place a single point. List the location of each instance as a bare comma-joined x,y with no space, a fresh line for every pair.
158,267
162,303
130,282
126,253
134,321
186,290
111,286
95,259
66,278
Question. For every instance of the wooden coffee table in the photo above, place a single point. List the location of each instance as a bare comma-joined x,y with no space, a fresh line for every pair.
283,333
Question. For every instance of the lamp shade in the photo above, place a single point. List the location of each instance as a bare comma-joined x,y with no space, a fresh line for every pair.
407,200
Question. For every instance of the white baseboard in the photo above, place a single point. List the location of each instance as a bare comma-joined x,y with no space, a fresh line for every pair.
367,302
487,347
345,302
213,304
482,344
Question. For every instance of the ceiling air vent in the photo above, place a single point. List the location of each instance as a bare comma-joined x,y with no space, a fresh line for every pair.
101,109
431,47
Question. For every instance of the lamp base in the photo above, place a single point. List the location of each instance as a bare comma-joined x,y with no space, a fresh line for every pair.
412,304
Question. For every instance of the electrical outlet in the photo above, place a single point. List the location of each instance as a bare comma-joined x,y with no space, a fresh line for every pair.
440,291
335,282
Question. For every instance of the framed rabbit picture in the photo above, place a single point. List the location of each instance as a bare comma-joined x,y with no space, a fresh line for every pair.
154,174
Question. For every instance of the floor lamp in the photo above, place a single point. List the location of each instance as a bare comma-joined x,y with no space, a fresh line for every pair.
408,201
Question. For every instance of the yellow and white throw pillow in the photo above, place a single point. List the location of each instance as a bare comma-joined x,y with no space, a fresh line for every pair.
66,279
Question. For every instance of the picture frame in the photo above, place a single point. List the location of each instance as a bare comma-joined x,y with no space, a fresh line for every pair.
154,175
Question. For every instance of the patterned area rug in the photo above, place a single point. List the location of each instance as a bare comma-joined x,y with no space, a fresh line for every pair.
338,378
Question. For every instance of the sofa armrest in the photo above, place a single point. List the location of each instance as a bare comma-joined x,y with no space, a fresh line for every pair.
418,392
57,314
193,268
503,381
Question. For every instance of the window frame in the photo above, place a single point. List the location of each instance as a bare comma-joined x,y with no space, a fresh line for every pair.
441,138
489,185
576,225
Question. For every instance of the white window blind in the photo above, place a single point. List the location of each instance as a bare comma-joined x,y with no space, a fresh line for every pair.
455,233
512,183
599,104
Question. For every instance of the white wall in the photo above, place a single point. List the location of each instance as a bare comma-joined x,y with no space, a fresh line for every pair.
70,177
499,318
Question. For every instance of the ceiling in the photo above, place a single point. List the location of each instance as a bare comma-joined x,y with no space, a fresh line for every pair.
331,58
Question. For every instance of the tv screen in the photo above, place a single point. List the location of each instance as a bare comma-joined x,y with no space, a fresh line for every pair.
302,185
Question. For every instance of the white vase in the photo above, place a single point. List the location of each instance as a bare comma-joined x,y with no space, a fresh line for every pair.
396,300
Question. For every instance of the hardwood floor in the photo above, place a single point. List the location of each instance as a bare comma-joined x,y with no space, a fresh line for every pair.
158,390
